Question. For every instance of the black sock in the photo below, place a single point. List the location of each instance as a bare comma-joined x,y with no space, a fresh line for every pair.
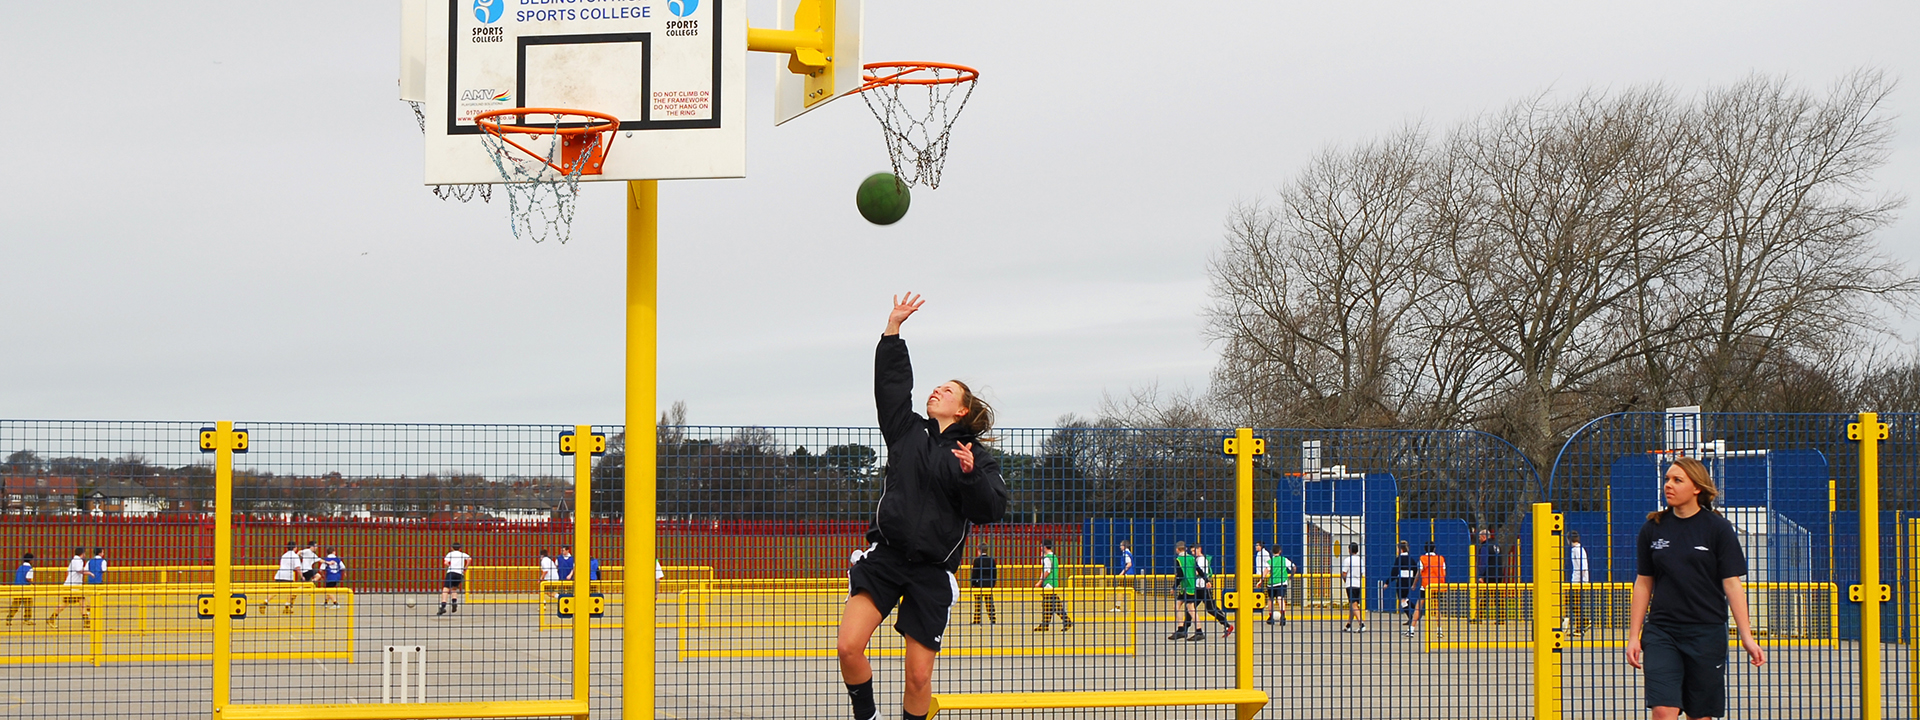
862,698
904,715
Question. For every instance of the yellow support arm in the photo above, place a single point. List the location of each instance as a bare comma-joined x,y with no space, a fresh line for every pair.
809,43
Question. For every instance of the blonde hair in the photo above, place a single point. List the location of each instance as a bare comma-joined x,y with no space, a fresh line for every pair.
1701,478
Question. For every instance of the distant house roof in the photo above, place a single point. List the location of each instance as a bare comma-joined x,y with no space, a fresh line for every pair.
40,485
119,489
524,503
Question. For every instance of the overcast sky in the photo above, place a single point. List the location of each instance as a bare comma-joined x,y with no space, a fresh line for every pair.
214,210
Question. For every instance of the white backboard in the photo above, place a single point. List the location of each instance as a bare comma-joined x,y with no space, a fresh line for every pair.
673,72
790,89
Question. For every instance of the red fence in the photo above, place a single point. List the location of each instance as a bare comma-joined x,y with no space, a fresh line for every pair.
394,554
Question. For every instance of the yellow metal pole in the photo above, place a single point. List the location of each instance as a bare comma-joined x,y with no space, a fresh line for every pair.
1547,575
1473,581
1609,495
222,566
583,561
1243,557
637,584
1868,432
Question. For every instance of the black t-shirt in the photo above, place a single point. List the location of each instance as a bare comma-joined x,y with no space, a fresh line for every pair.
1687,558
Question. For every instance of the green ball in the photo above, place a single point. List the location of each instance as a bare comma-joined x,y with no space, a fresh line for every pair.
883,199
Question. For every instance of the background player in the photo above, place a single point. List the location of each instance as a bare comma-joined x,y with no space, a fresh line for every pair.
1205,589
289,571
1050,604
76,577
22,575
1279,585
456,563
334,570
1354,574
1186,586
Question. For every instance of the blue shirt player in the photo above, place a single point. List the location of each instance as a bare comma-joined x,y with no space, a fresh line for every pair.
97,567
1126,569
22,575
565,564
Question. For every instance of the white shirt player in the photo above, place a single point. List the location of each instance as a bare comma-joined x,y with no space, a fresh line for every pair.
457,562
1577,563
1354,570
289,567
308,559
549,570
76,571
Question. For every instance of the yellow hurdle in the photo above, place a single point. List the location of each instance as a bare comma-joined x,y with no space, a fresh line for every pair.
129,621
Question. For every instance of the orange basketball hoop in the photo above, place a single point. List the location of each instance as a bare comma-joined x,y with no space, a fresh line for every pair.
583,144
912,139
915,73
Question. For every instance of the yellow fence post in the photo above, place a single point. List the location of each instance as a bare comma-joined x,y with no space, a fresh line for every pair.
222,440
1243,446
1547,635
583,444
1870,592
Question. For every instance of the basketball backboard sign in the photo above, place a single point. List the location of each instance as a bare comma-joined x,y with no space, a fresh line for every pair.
672,72
796,94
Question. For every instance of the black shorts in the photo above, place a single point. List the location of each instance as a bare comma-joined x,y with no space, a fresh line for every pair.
1415,594
923,592
1353,595
333,583
1685,666
454,579
309,575
1278,591
1203,594
1186,597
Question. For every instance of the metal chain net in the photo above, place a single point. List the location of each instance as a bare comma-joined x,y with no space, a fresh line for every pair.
539,202
462,193
909,128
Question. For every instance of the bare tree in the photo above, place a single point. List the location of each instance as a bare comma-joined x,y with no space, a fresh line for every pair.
1312,295
1560,259
1791,267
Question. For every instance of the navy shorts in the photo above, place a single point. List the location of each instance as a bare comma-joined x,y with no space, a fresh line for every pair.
1686,667
453,580
1353,595
923,592
1277,591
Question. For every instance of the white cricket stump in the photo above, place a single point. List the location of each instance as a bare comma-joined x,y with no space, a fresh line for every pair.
418,653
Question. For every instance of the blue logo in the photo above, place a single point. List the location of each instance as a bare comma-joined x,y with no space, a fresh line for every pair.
489,11
682,8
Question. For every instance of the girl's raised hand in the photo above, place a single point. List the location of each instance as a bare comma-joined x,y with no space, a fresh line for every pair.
902,309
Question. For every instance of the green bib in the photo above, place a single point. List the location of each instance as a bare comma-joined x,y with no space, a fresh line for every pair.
1189,569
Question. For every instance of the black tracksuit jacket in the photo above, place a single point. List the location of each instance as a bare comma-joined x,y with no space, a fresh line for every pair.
927,506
